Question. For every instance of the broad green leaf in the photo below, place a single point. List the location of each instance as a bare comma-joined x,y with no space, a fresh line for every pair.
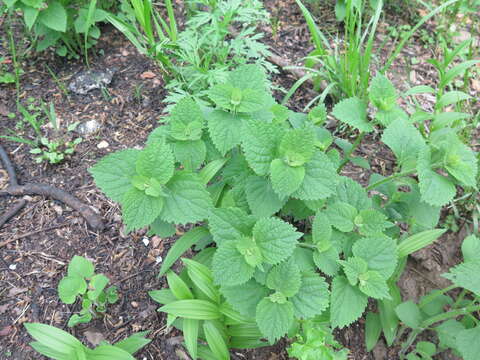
285,179
285,278
409,313
353,112
190,333
191,154
186,120
228,224
161,229
327,261
447,333
202,278
229,267
347,303
405,141
55,354
418,241
436,189
262,199
382,92
276,239
353,267
451,97
385,117
249,76
274,319
320,179
139,209
351,192
297,146
465,275
215,341
81,267
341,215
468,344
461,163
96,285
322,231
69,287
374,285
113,173
54,16
156,161
187,200
245,297
471,248
163,296
373,330
312,298
54,338
224,129
371,222
193,309
30,14
380,253
134,342
107,352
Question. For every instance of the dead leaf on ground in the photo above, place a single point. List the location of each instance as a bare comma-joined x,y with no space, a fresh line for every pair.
148,75
15,291
94,337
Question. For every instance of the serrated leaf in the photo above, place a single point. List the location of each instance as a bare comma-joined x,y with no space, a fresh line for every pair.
436,189
262,199
380,253
161,229
351,192
229,267
244,298
461,163
312,298
327,261
274,319
387,117
320,179
321,230
297,146
347,303
276,239
259,143
225,129
371,222
468,344
374,285
156,161
382,93
228,224
191,154
248,76
114,172
405,141
186,120
470,248
465,275
285,278
353,267
353,112
341,215
285,179
139,209
187,200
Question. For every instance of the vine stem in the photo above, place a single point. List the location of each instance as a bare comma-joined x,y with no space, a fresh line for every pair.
355,145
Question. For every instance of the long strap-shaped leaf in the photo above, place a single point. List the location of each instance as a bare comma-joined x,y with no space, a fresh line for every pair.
181,245
418,241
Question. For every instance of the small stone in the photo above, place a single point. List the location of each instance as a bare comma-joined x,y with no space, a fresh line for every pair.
88,127
134,304
145,241
85,81
12,266
103,144
158,259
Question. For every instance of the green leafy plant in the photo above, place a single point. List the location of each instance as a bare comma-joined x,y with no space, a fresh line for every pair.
451,318
59,345
67,26
91,289
53,149
291,238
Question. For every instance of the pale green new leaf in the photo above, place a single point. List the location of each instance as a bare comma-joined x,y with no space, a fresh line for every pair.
285,179
69,287
312,298
186,120
81,267
451,97
274,319
248,76
244,298
229,267
114,172
409,313
156,161
139,209
382,92
353,112
347,303
276,239
320,179
187,200
379,252
285,278
262,199
461,163
297,146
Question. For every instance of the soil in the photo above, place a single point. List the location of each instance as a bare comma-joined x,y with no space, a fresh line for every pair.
38,242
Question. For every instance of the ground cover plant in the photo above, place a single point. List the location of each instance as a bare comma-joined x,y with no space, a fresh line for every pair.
225,217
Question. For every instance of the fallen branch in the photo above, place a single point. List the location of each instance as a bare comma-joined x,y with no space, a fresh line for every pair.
93,220
12,211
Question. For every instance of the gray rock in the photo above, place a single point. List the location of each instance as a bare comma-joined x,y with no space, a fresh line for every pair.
88,80
88,127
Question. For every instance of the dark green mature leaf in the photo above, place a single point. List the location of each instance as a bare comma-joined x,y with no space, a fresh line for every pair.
276,239
347,303
262,199
374,285
245,297
139,209
113,173
187,199
312,298
191,154
409,313
470,248
54,16
320,179
353,112
371,222
351,192
156,161
285,179
274,319
228,224
285,278
342,215
465,275
229,267
297,146
248,76
468,344
327,261
224,129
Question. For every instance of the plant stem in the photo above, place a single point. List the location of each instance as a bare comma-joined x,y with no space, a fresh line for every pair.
346,157
431,297
450,314
308,246
390,178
